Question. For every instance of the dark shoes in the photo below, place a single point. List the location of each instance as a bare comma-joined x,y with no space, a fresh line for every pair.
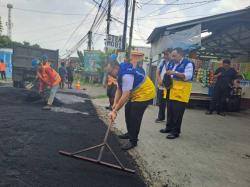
172,136
124,136
219,113
165,131
129,145
159,120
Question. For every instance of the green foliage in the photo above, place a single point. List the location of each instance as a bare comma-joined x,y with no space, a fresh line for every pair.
80,55
26,44
36,46
5,42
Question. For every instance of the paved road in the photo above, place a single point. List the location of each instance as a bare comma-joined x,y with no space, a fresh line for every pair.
30,139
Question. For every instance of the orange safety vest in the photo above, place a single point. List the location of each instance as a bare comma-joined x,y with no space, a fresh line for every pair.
111,80
51,80
2,67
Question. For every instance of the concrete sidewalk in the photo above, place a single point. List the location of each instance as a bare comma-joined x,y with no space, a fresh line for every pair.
212,151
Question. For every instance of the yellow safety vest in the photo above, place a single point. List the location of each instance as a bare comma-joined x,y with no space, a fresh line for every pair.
180,91
144,92
164,93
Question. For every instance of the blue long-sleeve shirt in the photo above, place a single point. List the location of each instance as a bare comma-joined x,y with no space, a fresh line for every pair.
62,72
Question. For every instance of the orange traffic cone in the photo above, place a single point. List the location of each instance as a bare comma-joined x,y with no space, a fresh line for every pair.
78,85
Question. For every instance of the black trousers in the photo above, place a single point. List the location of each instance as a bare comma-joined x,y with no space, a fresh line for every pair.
162,102
3,75
176,111
133,116
219,98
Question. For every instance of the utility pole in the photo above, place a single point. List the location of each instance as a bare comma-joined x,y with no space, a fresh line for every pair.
108,25
90,40
9,23
125,26
131,30
109,17
104,80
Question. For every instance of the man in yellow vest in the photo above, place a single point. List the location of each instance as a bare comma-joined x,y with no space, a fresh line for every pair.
181,70
135,91
161,92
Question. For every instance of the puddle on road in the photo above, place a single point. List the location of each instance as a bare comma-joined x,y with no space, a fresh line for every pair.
68,110
70,99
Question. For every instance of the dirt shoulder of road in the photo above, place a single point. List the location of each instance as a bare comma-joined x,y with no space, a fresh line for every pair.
212,151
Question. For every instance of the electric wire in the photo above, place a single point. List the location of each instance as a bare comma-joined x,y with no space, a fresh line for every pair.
190,7
96,22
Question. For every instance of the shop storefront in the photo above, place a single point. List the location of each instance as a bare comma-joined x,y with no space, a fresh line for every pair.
207,41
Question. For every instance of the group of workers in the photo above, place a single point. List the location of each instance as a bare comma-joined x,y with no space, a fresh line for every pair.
49,78
129,86
174,75
136,91
66,74
2,69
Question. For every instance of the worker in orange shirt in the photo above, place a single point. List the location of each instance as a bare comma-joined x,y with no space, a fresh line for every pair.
48,78
3,69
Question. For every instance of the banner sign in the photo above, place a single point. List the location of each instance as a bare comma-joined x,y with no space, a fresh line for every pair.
92,59
114,42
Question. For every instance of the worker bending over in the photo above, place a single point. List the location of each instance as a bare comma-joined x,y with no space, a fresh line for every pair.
136,90
48,78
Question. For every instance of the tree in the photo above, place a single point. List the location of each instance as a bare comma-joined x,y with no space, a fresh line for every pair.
36,46
16,43
26,44
5,42
80,55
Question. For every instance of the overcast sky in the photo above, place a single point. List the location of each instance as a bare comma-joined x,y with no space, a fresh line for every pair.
52,31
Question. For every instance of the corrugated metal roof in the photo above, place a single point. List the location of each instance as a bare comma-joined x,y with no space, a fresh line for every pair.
228,17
